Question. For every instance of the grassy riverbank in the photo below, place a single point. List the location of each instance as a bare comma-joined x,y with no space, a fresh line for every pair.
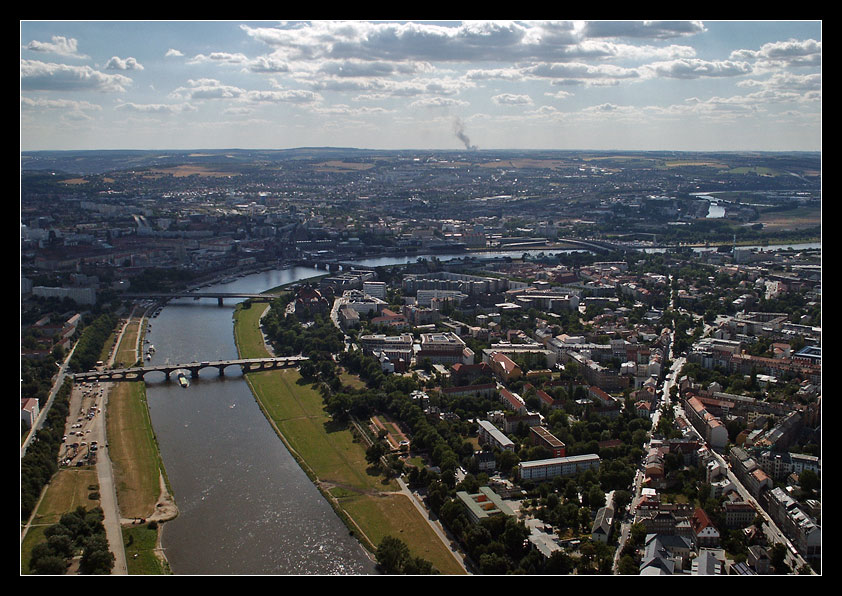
333,457
136,461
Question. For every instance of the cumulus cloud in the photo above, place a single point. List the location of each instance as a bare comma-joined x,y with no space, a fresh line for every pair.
117,63
784,54
471,41
299,96
266,64
579,71
438,102
809,85
155,108
643,29
46,76
219,58
207,89
512,99
696,68
63,46
41,103
173,52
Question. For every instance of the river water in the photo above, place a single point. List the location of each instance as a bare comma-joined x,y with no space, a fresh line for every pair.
245,506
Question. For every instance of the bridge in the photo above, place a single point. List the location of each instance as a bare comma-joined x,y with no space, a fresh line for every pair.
599,246
138,373
220,296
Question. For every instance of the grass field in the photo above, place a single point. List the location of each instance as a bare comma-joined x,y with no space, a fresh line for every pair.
141,544
133,450
394,515
791,219
68,489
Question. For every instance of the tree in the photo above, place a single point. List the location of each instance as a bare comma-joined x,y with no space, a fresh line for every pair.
48,565
559,563
375,452
777,557
628,566
391,554
96,558
809,481
393,557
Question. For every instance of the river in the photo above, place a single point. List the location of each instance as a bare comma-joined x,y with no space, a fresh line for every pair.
245,506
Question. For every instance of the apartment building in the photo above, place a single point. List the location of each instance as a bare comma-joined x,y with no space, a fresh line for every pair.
393,346
546,469
489,434
540,436
444,348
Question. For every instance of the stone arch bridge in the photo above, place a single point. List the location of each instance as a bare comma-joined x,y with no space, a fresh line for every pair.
138,373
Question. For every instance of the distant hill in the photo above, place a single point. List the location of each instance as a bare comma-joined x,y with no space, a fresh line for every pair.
100,162
83,163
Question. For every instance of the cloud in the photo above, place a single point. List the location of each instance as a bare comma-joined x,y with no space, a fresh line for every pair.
512,99
809,85
299,96
27,103
63,46
790,53
438,102
219,58
269,65
643,29
173,52
207,89
695,68
120,64
583,72
45,76
155,108
468,42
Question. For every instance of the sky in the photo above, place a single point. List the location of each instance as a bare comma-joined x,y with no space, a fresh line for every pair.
433,85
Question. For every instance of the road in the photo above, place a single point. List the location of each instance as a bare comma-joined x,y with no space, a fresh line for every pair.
105,473
436,525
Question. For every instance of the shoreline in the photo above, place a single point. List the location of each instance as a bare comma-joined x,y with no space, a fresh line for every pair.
367,544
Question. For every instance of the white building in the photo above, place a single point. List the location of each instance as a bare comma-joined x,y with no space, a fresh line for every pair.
545,469
377,289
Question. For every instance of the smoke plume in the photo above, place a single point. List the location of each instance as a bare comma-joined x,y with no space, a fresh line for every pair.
459,130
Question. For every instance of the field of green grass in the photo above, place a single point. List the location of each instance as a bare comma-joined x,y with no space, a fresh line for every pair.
133,450
141,544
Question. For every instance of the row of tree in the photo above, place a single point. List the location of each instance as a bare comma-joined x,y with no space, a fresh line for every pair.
79,532
89,347
40,462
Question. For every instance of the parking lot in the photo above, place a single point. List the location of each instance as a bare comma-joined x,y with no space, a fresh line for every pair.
81,440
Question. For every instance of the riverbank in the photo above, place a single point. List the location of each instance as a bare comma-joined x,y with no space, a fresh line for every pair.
144,498
333,456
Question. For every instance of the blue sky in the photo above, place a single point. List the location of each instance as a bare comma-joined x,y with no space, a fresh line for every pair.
615,85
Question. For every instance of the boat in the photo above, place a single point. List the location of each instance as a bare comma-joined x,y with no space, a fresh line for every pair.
182,379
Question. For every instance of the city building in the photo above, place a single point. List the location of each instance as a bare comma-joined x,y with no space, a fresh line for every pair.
484,504
444,348
546,469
